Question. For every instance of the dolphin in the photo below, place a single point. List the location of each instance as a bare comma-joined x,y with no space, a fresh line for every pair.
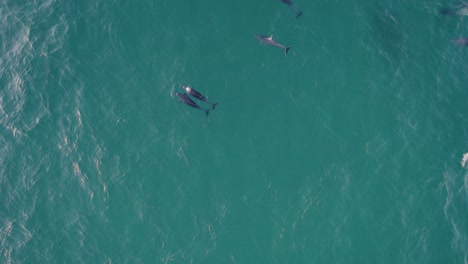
459,11
184,98
271,42
461,41
292,6
192,92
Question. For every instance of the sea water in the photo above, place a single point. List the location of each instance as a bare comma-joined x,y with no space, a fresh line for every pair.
346,150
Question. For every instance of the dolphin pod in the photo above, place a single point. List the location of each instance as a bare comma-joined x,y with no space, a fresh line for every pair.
461,10
268,40
185,98
190,92
194,93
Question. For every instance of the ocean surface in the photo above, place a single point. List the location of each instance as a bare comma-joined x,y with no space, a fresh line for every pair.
347,149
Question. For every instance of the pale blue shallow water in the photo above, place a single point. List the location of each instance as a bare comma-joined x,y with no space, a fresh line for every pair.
346,150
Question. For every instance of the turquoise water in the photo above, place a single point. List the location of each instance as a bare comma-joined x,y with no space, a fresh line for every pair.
345,150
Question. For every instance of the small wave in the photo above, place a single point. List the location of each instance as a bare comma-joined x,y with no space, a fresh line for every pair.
455,209
14,235
466,186
23,103
464,159
179,146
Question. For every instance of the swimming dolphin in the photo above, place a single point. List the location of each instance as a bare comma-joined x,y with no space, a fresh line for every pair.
461,41
292,6
192,92
271,42
184,98
459,11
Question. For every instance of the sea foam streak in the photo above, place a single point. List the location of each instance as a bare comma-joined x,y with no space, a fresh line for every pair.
464,159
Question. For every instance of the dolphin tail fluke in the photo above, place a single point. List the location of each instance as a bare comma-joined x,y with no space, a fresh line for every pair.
214,106
286,50
207,111
299,14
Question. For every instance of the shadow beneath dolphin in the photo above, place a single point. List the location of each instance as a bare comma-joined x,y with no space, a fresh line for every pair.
389,33
460,10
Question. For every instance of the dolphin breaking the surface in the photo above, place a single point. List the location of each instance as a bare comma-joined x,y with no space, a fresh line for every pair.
461,41
194,93
269,41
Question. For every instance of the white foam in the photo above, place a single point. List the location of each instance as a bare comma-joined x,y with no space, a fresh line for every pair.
464,160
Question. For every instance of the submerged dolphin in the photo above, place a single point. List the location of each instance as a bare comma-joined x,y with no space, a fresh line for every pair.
292,6
459,11
271,42
192,92
184,98
461,41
